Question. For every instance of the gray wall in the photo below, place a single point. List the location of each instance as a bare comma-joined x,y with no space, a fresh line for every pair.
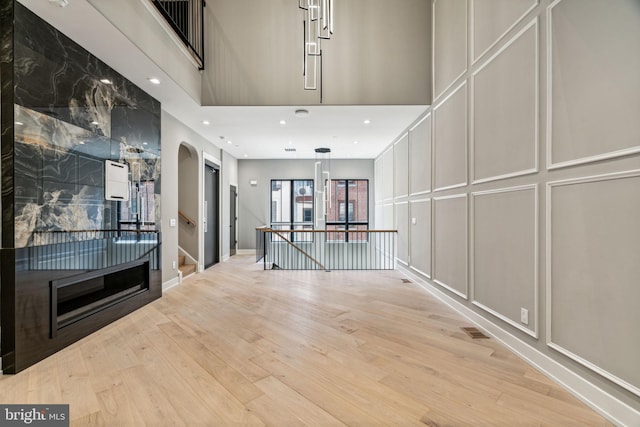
254,200
520,187
254,54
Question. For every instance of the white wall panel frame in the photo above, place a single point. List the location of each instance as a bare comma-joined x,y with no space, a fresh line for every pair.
474,58
535,332
430,165
433,53
580,161
535,168
396,219
549,285
411,266
466,144
387,175
406,168
434,231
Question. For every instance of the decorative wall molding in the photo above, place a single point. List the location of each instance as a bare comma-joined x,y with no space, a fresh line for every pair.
616,411
536,126
464,294
536,282
474,58
436,96
549,285
430,225
551,165
466,143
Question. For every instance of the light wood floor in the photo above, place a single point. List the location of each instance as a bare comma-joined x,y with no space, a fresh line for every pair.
236,345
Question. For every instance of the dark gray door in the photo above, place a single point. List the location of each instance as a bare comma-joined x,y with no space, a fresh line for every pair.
233,219
211,225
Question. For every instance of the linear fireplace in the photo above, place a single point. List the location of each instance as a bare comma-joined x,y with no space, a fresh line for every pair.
76,297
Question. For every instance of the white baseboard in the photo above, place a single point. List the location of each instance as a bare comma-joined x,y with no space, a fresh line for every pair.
616,411
246,252
170,283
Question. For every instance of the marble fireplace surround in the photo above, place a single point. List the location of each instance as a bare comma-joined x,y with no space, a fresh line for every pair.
64,112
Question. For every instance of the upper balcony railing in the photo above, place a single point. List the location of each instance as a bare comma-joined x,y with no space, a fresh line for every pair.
326,249
186,17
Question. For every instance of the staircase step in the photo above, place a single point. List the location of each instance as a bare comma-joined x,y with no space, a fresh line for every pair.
181,259
187,269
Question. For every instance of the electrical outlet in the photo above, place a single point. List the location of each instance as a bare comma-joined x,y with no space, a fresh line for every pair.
524,316
173,265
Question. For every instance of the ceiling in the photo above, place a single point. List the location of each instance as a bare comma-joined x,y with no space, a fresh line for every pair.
244,132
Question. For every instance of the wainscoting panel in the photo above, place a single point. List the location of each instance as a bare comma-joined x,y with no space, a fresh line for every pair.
450,225
504,253
387,217
401,166
450,43
593,266
594,83
491,20
420,157
402,238
505,110
420,242
387,170
450,140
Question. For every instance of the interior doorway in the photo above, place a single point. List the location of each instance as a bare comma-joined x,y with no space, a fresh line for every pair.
211,222
233,220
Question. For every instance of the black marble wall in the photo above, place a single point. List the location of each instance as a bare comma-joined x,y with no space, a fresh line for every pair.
64,112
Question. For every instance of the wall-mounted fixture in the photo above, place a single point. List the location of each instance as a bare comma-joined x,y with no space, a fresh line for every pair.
116,181
317,24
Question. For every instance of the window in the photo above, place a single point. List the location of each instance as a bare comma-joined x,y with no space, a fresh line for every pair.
292,207
349,209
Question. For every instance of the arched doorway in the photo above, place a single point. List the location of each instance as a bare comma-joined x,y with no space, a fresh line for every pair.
188,212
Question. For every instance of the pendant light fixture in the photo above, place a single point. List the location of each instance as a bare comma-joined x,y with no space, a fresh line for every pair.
317,24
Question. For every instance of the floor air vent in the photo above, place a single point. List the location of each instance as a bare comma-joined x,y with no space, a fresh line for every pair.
406,281
474,332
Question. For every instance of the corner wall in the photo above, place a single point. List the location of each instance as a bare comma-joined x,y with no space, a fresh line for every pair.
523,179
175,133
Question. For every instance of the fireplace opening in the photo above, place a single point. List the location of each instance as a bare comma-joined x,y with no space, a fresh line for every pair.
75,298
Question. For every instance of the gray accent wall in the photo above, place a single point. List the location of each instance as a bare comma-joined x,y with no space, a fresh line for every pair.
254,54
524,178
253,200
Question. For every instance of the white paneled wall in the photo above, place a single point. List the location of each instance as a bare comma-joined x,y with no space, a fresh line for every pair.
547,251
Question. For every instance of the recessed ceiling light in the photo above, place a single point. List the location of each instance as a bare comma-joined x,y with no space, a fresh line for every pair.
106,81
154,80
301,113
283,122
290,142
95,123
355,142
229,142
205,122
246,155
367,121
61,3
19,123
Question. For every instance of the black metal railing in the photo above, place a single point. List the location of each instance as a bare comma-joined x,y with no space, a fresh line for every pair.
326,249
91,249
186,17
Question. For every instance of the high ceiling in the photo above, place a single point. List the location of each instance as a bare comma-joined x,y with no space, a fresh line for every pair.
244,132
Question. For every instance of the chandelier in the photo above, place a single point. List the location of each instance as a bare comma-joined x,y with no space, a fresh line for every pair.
317,24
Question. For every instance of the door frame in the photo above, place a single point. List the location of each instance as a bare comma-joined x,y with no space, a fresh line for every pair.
211,159
233,222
